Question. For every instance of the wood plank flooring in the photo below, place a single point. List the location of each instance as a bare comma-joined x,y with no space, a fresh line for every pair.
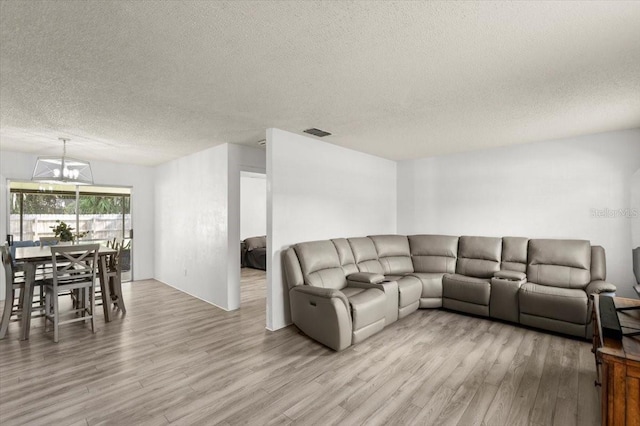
174,359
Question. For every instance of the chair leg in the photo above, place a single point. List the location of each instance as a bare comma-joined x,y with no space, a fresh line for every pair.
6,313
47,308
116,284
93,309
20,298
56,318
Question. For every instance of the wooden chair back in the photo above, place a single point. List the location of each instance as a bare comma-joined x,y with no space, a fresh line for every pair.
74,264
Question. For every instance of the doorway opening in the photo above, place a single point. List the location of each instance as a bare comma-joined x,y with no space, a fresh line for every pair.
253,237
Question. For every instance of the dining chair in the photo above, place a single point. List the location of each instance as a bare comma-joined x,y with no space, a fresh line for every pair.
49,241
13,285
45,242
14,292
77,272
114,279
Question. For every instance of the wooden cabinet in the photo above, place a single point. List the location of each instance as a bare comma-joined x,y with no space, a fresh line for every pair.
618,363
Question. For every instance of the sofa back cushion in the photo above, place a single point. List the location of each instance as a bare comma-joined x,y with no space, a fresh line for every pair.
559,263
636,263
514,254
365,255
433,253
320,264
345,255
479,256
393,253
598,264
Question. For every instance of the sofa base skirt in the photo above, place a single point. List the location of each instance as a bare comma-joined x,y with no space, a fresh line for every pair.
430,302
470,308
403,312
578,330
367,331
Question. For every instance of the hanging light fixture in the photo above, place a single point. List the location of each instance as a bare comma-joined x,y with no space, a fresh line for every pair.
62,169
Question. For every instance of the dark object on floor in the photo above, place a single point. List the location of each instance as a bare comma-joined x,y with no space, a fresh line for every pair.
609,319
254,252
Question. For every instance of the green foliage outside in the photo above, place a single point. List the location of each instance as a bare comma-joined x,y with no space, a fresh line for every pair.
66,204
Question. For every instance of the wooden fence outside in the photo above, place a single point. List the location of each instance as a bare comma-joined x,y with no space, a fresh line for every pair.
98,227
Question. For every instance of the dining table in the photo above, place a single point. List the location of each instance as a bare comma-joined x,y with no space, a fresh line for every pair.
32,257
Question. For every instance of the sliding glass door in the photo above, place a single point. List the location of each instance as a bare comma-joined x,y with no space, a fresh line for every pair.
97,214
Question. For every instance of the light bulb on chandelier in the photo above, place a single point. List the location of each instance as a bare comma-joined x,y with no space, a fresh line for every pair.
63,169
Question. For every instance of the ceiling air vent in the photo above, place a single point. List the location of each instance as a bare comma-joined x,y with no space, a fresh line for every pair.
317,132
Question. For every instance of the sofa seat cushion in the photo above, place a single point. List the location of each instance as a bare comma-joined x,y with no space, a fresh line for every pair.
410,289
564,304
367,307
431,283
466,289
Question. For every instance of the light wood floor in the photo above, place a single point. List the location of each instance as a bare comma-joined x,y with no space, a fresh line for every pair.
175,359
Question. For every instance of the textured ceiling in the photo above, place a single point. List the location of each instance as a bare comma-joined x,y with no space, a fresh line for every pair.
145,82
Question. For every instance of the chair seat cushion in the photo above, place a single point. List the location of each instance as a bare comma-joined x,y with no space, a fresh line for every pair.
367,307
410,289
564,304
466,289
431,283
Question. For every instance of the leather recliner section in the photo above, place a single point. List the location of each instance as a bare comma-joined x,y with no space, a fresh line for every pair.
467,294
479,256
344,290
433,256
559,263
318,306
365,255
434,253
554,298
514,254
393,254
367,312
469,289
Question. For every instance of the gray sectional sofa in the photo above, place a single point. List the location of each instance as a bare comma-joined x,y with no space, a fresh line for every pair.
344,290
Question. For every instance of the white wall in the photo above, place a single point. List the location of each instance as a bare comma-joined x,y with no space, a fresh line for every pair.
197,221
253,205
553,189
317,191
191,224
635,209
19,166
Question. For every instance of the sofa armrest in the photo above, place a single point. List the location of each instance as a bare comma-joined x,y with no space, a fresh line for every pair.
599,286
510,275
366,277
327,293
322,314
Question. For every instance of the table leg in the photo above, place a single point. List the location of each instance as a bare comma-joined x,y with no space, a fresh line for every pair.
27,300
104,286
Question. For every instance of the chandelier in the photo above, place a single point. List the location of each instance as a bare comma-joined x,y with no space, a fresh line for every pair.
62,169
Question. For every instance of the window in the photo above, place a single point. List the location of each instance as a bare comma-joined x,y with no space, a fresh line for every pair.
97,214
